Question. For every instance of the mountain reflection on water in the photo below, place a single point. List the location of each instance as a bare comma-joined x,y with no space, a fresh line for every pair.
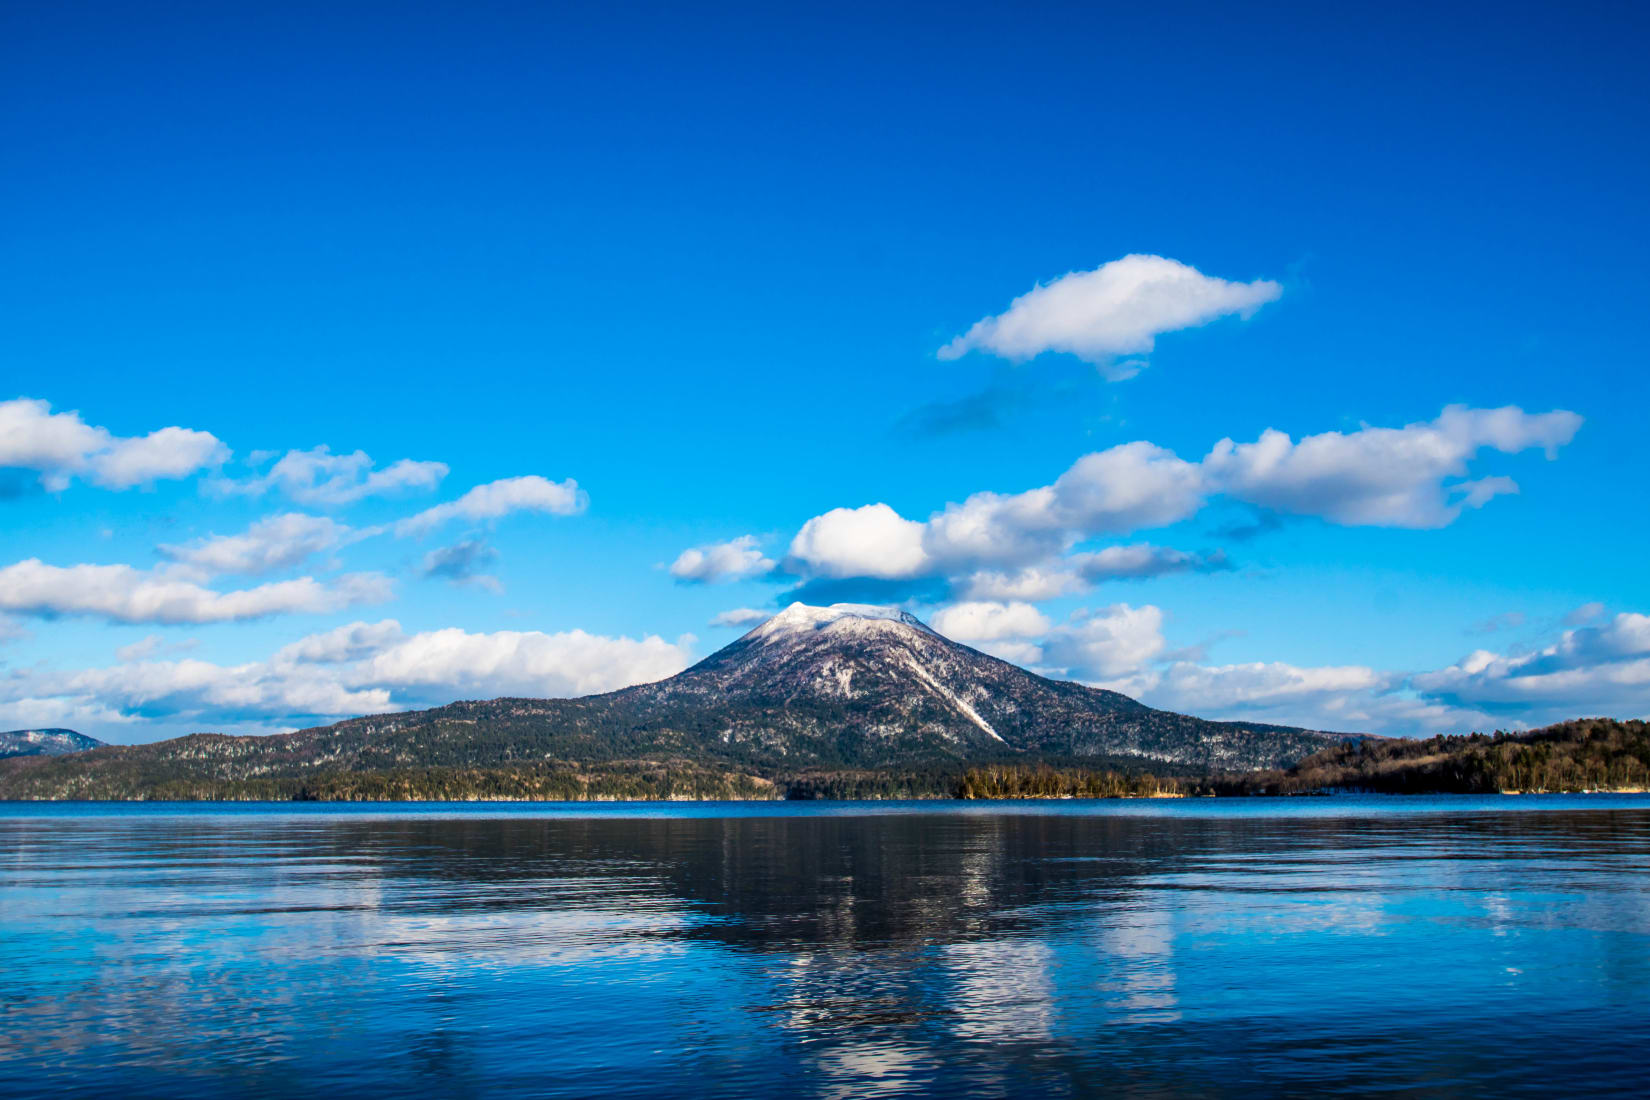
1199,950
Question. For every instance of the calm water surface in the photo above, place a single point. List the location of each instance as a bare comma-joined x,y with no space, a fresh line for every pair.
1412,947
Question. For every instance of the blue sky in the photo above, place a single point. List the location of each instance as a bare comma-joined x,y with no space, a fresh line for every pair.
705,264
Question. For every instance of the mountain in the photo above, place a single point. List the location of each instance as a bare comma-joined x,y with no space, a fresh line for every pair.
49,742
858,686
841,688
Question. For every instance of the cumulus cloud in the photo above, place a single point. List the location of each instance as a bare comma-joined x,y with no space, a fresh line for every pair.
318,478
362,668
1120,489
1259,685
61,447
219,694
353,642
1106,643
454,663
1142,560
1603,669
740,616
718,562
1117,310
167,453
1126,487
1033,583
1387,477
1589,671
500,498
48,712
448,664
120,593
989,621
1077,572
275,543
1016,545
872,541
1123,648
1345,698
1000,629
462,562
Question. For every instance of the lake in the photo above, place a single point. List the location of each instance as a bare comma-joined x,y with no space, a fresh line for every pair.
1443,947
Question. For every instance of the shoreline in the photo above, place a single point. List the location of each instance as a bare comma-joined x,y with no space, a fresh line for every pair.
686,800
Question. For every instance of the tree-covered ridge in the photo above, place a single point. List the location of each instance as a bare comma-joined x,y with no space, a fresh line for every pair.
550,781
641,780
1580,755
1587,754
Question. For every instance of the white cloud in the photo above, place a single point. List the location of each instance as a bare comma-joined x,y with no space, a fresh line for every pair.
989,621
1118,309
872,541
56,444
1209,689
1121,489
1077,572
500,498
361,668
61,447
219,694
1348,698
1122,649
1015,546
1000,629
1589,671
452,663
1108,643
1388,477
1033,583
120,593
723,561
167,453
740,616
268,545
319,478
56,712
353,642
1142,560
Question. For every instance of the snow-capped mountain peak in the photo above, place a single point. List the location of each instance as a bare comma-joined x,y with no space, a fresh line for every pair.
844,618
45,742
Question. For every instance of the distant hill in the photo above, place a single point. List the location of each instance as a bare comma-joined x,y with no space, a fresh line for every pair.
47,742
1584,754
811,692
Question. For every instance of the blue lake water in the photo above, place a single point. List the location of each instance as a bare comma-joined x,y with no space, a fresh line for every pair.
1413,947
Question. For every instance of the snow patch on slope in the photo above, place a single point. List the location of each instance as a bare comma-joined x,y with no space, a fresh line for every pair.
967,711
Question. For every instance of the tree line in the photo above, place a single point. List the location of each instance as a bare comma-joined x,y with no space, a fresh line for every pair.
1581,755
